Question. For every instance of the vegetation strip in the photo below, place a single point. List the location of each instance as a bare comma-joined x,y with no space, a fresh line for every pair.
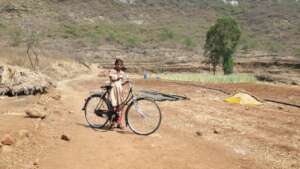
230,93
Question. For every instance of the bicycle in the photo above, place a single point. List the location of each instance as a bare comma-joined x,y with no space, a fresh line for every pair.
142,115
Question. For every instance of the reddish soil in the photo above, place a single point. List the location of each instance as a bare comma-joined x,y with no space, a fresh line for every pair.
201,133
290,94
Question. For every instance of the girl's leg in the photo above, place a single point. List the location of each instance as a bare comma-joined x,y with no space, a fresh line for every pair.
121,118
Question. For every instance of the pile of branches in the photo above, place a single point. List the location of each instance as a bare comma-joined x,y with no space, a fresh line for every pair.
20,81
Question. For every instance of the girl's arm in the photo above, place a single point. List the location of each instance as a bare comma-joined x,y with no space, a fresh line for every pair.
125,78
124,83
113,76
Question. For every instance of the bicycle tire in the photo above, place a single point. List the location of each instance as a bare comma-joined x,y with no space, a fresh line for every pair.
96,108
143,116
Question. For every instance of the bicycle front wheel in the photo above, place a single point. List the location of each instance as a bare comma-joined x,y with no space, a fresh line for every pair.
96,111
143,116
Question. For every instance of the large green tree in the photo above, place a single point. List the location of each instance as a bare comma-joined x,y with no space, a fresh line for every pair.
221,42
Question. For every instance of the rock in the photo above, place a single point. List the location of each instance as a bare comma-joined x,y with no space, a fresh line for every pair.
216,131
56,97
239,150
7,140
36,161
65,137
198,133
35,114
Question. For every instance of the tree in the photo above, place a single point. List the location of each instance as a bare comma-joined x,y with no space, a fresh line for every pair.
221,42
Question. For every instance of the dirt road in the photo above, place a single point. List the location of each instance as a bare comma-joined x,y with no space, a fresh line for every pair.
201,133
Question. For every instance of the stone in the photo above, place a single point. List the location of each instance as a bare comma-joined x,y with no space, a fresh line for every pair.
36,162
216,131
35,114
7,140
65,137
56,97
198,133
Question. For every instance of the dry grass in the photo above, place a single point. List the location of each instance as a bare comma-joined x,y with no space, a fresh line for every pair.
53,64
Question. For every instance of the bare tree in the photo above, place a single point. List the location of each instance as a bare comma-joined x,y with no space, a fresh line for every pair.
32,43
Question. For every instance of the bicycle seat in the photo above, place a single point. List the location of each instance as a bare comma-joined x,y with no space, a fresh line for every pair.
107,87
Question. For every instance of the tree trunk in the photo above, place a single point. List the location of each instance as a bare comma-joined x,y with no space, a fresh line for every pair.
228,64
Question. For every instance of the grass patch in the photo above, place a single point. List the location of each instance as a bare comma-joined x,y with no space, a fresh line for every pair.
297,52
123,34
166,34
188,42
209,78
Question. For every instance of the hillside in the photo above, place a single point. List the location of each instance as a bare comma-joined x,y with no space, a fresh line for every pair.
145,31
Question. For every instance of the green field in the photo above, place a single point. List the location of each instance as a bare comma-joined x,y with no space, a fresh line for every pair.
208,78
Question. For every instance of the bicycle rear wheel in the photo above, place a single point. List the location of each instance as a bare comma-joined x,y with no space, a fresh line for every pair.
97,111
143,116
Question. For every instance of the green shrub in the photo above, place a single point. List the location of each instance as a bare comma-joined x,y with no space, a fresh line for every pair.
188,42
274,46
166,34
112,36
132,41
72,30
297,52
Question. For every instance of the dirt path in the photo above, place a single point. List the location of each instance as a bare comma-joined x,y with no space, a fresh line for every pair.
167,148
201,133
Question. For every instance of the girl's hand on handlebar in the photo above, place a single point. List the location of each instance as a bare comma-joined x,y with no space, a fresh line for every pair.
126,82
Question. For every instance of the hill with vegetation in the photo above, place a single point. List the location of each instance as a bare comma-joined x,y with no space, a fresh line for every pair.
147,30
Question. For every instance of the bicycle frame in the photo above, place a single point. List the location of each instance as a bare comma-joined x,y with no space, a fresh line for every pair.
129,98
110,113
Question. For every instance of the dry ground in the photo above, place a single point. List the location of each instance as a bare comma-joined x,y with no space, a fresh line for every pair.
200,133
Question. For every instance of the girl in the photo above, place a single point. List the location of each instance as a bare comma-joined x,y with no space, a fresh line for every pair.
117,78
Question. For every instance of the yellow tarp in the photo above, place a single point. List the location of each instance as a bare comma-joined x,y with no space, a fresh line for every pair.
243,99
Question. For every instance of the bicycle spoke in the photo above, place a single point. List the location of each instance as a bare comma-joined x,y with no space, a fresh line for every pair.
96,111
144,117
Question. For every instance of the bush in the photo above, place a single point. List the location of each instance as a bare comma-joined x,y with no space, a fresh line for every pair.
166,34
189,42
132,41
74,31
297,52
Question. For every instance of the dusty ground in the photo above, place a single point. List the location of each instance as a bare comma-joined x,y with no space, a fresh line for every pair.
200,133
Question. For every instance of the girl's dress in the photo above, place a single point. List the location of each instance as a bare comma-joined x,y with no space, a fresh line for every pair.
116,94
